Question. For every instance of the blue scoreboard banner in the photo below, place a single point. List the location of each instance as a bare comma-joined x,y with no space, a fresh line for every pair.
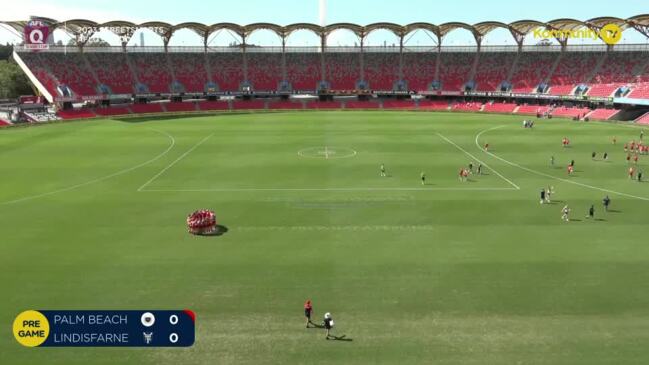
88,328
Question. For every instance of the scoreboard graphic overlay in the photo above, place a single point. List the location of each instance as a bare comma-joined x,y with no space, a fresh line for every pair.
113,328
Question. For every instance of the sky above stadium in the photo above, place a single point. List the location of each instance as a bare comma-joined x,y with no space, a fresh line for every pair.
293,11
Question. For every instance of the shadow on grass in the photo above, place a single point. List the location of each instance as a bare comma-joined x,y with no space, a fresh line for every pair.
151,118
340,338
160,117
218,231
315,325
614,211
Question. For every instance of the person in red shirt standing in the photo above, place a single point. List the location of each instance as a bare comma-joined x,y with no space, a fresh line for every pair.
635,158
570,169
308,309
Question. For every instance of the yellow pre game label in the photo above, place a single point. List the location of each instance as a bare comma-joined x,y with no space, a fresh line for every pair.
31,328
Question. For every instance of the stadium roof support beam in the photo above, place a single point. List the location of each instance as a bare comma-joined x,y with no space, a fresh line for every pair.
164,30
446,28
201,30
124,30
596,24
485,28
520,29
82,29
564,24
640,23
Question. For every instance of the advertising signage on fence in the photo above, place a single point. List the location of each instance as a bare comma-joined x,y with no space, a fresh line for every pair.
94,97
35,35
452,93
65,99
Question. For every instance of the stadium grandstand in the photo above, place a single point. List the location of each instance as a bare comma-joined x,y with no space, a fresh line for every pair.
597,81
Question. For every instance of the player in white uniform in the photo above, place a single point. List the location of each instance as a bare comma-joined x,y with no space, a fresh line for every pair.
564,213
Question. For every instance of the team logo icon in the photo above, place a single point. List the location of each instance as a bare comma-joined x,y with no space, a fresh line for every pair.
611,34
147,319
35,35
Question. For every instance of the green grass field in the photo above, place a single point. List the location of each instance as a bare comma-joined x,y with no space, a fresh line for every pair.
92,216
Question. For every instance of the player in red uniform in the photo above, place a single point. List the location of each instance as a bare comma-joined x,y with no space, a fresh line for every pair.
570,169
308,309
628,157
635,159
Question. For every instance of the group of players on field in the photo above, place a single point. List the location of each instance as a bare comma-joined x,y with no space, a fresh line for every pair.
633,149
463,174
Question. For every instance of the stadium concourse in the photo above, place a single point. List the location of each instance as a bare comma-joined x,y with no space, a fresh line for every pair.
580,82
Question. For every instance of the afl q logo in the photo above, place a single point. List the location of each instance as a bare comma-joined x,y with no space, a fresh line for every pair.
36,34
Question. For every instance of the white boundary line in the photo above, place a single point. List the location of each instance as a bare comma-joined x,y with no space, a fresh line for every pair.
482,162
548,175
174,162
321,189
121,172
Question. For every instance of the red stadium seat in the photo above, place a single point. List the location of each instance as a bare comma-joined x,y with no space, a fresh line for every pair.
499,107
454,70
381,70
433,105
324,105
147,108
361,105
530,69
532,109
405,104
492,70
342,70
213,105
264,70
252,104
285,105
180,107
76,114
419,70
112,111
226,69
190,71
643,119
113,71
303,70
153,71
569,112
602,114
573,69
